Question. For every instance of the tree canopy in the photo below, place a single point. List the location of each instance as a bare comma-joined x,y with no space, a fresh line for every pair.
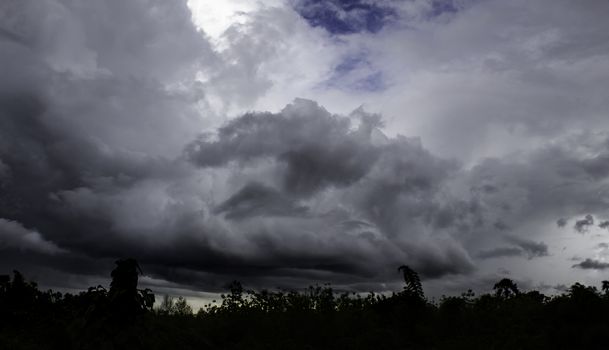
317,317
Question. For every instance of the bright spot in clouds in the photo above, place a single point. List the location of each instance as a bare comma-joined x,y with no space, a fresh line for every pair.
216,16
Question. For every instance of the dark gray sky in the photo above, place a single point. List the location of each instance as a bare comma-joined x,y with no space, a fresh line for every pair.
285,143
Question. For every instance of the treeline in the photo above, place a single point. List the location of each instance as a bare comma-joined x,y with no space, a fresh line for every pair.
123,317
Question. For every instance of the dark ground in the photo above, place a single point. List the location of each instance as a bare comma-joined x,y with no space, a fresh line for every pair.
317,318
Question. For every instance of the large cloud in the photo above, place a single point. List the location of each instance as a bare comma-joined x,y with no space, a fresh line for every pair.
91,158
92,114
316,148
355,187
107,149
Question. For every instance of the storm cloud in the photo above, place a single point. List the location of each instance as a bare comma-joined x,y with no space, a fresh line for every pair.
592,264
340,169
267,195
530,248
520,247
582,225
500,252
126,130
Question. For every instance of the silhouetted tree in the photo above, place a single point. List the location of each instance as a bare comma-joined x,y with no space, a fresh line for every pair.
506,288
235,300
314,318
125,299
579,291
412,281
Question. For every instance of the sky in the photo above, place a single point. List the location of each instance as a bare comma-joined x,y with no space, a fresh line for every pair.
285,143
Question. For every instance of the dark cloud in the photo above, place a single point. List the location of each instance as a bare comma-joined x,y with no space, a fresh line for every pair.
316,149
500,252
531,248
14,236
83,107
582,225
101,157
604,224
384,185
256,199
551,181
501,226
562,222
94,167
95,192
598,166
434,263
592,264
522,247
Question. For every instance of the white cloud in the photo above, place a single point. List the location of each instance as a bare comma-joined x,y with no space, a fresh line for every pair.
214,17
492,78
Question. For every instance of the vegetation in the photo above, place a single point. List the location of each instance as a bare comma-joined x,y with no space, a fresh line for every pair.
316,318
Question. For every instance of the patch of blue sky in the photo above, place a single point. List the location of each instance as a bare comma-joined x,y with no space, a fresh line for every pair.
351,63
356,73
374,82
345,16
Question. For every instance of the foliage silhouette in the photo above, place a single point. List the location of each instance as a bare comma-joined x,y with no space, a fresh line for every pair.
318,317
125,299
506,288
413,283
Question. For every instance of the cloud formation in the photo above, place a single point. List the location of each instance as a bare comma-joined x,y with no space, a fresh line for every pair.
582,225
15,236
520,247
342,170
116,139
102,159
531,248
592,264
500,252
